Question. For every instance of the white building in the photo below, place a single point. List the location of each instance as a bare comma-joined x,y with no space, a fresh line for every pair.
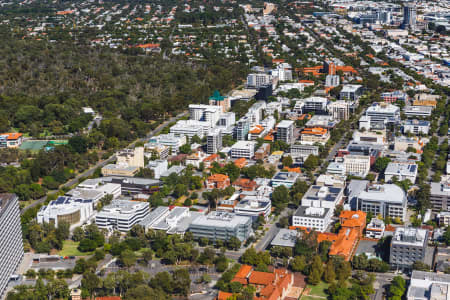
381,114
257,80
284,178
428,286
169,140
245,149
339,110
285,131
416,126
214,141
375,229
332,80
122,215
206,113
401,170
351,92
315,104
158,167
357,165
190,128
11,246
254,205
418,111
175,221
368,137
66,209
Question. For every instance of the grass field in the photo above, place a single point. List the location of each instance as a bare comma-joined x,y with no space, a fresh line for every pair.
310,298
318,290
70,249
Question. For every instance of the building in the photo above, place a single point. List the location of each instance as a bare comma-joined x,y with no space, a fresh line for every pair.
351,92
219,225
10,140
129,185
190,128
322,121
336,168
310,136
332,81
443,218
345,242
253,205
169,140
158,167
73,211
315,104
408,245
286,238
214,141
285,131
317,207
339,110
375,229
331,180
440,195
402,143
11,245
409,16
357,165
391,97
245,149
128,163
257,80
205,113
368,137
219,181
262,151
122,215
417,111
428,286
416,126
219,100
285,178
303,151
175,221
242,129
401,170
382,114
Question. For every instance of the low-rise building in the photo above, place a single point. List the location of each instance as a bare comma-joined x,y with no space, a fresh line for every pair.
375,229
219,181
219,225
331,180
10,140
351,92
253,205
310,136
129,161
321,121
169,140
440,195
158,167
262,151
286,238
122,215
369,137
428,286
418,111
285,178
175,221
245,149
401,170
416,126
357,165
402,143
303,151
408,246
443,218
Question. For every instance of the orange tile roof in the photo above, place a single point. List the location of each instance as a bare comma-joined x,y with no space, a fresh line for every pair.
261,278
257,129
346,69
212,157
243,272
224,295
218,177
294,170
149,45
240,162
315,131
12,135
352,218
306,81
108,298
326,236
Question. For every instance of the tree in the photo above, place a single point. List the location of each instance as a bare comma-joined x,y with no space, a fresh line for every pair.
78,234
90,282
280,197
182,281
298,264
234,243
185,149
397,288
287,161
311,162
87,245
78,144
314,277
329,274
381,164
147,255
128,258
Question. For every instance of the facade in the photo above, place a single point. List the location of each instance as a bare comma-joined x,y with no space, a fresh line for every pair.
402,143
443,218
322,121
10,140
285,178
428,286
190,128
310,136
403,171
351,92
315,104
129,161
375,229
262,151
253,206
66,209
418,111
339,110
257,80
299,150
378,137
219,100
11,245
383,199
408,246
381,114
416,126
357,165
214,141
245,149
285,131
218,225
175,221
122,215
331,80
206,113
158,167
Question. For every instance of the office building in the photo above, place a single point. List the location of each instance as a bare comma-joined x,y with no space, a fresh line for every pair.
206,113
332,80
129,185
375,229
408,245
391,97
227,120
95,190
440,195
339,110
218,100
11,245
242,129
357,165
286,238
416,126
190,128
73,211
122,215
322,121
402,143
428,286
316,218
258,80
175,221
285,131
310,136
409,16
368,137
315,104
158,167
245,149
382,199
382,114
284,178
417,111
169,140
351,92
299,151
219,225
402,171
214,141
253,205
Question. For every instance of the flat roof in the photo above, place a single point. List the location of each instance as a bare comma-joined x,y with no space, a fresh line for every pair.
285,124
285,238
383,192
220,219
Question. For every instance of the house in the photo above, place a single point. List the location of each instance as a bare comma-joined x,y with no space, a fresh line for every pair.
219,181
10,140
244,184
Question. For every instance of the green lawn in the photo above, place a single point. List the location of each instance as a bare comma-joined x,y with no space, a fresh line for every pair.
309,298
318,290
70,249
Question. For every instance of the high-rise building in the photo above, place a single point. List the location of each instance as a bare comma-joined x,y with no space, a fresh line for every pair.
214,141
242,129
409,16
11,246
408,246
332,80
258,80
285,131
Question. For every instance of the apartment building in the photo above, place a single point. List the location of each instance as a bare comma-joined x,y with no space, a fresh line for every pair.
351,92
303,151
257,80
285,131
408,246
310,136
214,141
191,128
402,143
122,215
11,245
242,129
315,104
440,195
339,110
245,149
